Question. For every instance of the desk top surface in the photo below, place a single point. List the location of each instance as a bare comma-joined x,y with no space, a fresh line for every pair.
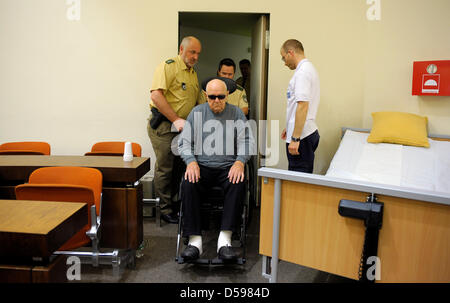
114,169
35,217
88,161
38,228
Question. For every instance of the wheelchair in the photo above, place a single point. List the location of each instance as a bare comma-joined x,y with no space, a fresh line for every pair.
211,210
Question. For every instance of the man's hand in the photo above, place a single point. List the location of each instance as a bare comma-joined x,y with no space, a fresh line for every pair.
192,172
293,148
283,134
179,124
236,173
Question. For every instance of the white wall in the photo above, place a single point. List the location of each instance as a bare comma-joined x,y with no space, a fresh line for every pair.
217,46
410,31
73,83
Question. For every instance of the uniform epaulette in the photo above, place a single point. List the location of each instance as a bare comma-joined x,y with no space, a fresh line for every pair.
239,87
170,61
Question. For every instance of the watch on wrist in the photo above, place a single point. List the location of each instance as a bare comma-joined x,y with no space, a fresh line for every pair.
295,139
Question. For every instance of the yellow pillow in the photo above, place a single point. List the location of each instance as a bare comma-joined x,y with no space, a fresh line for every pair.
399,128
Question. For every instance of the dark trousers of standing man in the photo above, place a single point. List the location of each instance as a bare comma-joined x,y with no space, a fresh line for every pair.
304,162
192,195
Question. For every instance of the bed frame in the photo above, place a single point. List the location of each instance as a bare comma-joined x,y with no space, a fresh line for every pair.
300,224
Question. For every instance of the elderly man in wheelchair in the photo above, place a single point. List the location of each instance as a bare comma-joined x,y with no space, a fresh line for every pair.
215,144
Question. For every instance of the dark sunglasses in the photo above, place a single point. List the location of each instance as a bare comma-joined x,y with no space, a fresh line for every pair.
213,97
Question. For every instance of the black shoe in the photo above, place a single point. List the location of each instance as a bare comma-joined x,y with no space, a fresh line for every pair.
227,253
171,218
190,253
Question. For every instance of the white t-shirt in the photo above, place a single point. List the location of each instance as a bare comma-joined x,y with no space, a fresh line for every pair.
304,86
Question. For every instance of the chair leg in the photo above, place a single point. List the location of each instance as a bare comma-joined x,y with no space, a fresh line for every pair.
156,204
158,213
95,252
116,263
95,258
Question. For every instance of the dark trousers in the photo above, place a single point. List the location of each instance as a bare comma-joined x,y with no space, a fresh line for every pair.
305,161
193,194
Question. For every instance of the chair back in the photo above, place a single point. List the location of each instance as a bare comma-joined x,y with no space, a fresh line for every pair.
113,149
25,148
65,184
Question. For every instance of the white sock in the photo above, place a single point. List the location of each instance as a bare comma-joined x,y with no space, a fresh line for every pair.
196,240
224,239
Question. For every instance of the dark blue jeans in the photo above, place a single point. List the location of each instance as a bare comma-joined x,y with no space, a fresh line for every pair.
305,161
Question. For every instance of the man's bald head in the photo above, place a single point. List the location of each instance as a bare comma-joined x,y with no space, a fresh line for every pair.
293,45
188,40
216,84
216,89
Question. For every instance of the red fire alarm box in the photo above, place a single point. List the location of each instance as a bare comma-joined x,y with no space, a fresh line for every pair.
431,78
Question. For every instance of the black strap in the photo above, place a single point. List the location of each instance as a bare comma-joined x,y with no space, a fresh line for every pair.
372,214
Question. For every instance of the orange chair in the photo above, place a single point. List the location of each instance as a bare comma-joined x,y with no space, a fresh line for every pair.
25,148
71,184
76,184
113,149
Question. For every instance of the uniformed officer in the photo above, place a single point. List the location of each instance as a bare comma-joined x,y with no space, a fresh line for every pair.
174,92
244,81
226,69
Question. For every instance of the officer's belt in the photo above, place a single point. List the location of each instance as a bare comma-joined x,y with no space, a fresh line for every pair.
157,118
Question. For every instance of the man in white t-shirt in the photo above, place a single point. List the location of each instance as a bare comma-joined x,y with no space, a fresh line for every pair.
303,96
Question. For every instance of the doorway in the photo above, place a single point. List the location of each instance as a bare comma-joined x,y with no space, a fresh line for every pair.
237,36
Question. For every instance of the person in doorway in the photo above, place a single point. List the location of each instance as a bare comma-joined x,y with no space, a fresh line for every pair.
216,165
244,80
227,69
174,92
303,96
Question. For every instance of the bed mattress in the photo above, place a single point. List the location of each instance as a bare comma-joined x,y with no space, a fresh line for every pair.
393,164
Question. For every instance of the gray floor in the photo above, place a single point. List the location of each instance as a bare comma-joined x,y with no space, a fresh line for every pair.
156,262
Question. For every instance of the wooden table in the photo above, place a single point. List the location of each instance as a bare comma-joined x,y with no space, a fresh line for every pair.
35,229
38,228
122,224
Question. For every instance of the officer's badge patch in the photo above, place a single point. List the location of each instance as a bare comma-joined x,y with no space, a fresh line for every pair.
170,61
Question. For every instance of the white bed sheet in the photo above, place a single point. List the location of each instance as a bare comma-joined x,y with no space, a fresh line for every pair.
393,164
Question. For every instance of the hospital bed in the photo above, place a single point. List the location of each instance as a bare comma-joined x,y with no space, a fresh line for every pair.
304,221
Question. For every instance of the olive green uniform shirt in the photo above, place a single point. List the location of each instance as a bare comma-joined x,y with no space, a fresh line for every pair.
179,84
245,85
